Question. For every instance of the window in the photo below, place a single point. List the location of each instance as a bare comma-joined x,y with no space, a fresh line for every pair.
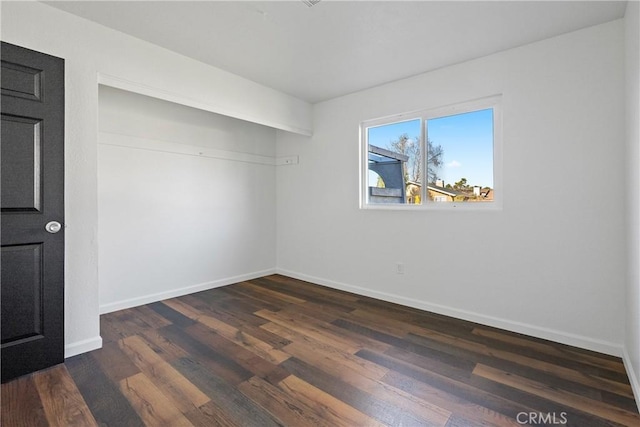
447,157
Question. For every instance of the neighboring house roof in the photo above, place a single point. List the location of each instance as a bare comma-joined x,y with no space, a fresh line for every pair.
437,189
442,190
486,192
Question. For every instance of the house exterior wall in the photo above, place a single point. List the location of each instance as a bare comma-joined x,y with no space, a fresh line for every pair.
434,194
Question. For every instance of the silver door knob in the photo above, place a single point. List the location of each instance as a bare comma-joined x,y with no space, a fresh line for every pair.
53,227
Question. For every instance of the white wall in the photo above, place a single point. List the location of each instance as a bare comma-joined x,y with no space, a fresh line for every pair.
89,50
172,221
550,264
632,338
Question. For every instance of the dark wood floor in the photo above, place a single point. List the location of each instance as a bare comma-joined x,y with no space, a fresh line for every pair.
277,351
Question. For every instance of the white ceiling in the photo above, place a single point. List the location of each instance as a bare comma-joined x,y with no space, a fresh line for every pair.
339,47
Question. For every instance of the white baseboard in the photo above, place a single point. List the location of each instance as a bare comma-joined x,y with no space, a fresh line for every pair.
83,346
509,325
632,374
146,299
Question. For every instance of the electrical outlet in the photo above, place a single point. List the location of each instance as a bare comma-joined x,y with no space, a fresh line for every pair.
399,268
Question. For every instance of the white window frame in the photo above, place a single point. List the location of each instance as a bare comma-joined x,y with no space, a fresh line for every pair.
493,102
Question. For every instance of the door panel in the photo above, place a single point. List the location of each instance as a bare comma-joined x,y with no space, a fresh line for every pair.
32,194
22,316
21,164
21,81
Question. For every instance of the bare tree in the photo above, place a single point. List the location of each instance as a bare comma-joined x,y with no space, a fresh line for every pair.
435,159
409,147
413,167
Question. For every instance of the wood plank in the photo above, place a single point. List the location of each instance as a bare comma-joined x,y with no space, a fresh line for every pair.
387,325
312,287
287,410
520,369
121,324
21,405
459,421
188,310
322,321
184,395
314,330
227,402
334,361
271,293
417,317
252,304
562,358
273,340
315,311
113,362
366,331
252,301
164,347
621,402
449,362
153,407
443,384
299,334
447,359
599,409
250,361
198,309
553,349
308,294
396,311
236,300
539,404
62,402
209,415
456,368
484,393
412,318
108,406
337,413
234,311
547,367
217,361
243,339
150,317
170,314
385,403
453,403
356,341
108,331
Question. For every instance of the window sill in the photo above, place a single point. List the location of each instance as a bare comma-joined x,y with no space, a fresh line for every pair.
434,207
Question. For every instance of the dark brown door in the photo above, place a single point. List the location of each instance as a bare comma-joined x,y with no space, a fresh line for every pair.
31,200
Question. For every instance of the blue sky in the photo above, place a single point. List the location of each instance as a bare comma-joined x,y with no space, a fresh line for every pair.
466,139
